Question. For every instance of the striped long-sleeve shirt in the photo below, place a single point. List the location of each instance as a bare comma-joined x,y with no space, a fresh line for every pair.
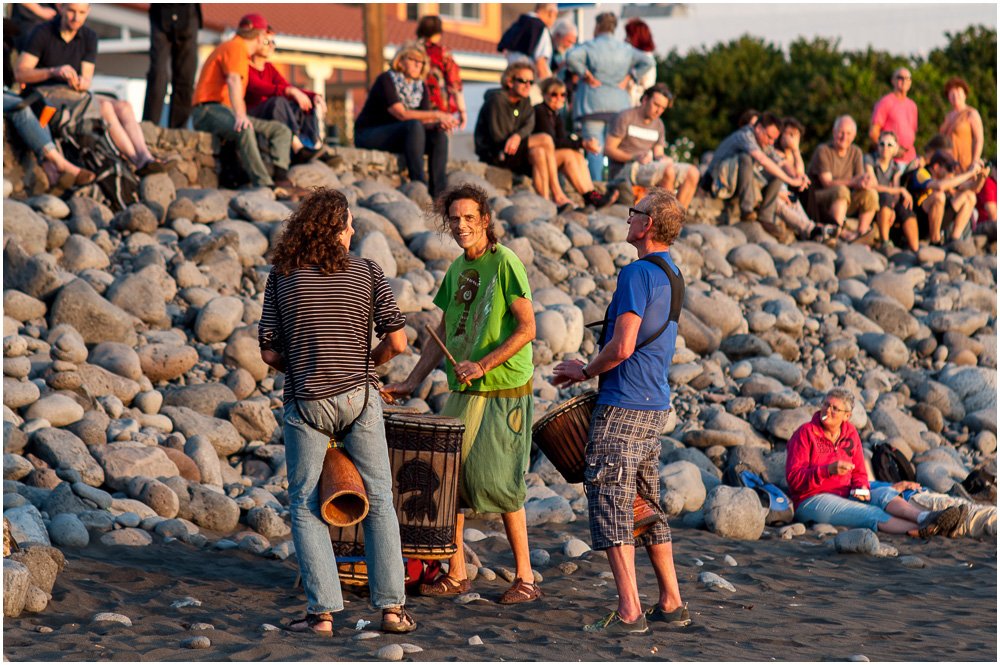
319,323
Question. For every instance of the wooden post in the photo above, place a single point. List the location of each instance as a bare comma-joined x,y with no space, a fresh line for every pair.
374,27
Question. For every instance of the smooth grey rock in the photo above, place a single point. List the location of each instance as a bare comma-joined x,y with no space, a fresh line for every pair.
734,512
265,521
123,461
220,433
198,642
66,530
217,319
58,409
684,479
887,349
856,541
27,525
715,582
127,538
59,447
96,319
111,617
21,221
16,582
553,510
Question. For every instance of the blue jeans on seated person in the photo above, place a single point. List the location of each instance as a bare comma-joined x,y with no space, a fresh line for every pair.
304,124
36,137
414,140
308,427
838,511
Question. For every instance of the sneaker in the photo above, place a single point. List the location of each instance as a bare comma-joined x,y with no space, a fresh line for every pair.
598,200
940,521
963,512
678,617
613,624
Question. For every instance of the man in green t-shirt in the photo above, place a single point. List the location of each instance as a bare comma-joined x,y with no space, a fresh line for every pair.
488,325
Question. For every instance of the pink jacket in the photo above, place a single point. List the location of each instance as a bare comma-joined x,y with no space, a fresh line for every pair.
809,455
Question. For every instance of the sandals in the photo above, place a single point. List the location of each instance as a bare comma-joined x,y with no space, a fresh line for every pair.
311,621
446,585
405,624
520,592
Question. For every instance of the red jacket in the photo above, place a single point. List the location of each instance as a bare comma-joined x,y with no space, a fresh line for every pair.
809,455
267,83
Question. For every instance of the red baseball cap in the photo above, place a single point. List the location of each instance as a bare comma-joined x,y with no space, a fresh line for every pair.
254,22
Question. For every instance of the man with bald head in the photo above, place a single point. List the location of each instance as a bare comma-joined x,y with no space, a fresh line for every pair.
897,113
842,186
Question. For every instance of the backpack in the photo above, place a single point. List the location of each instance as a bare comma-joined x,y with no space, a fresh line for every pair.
890,465
87,142
779,507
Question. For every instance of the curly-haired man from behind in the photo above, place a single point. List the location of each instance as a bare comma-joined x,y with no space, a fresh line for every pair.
315,328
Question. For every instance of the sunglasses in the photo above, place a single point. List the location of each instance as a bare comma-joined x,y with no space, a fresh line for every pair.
417,61
632,212
557,94
886,144
524,81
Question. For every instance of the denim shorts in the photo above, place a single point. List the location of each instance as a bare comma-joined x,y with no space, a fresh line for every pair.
838,511
623,459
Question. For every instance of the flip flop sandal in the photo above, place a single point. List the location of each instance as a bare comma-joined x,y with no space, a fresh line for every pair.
445,585
311,621
405,624
520,592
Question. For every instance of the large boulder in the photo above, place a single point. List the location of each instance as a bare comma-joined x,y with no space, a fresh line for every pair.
734,512
57,446
140,296
218,318
123,461
96,319
682,479
220,433
20,220
163,362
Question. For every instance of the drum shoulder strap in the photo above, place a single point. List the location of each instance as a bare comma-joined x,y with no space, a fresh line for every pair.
676,303
371,321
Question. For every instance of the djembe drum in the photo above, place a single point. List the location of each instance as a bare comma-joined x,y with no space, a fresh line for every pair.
425,457
562,435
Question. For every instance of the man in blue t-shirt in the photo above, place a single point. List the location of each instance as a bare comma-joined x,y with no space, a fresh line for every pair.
623,450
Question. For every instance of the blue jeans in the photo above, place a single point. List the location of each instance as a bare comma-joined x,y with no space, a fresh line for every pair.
838,511
308,427
38,138
594,129
414,140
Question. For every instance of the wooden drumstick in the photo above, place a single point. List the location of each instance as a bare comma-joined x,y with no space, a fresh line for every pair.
445,349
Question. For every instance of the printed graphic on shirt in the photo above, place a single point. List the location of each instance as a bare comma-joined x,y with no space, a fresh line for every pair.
643,133
826,446
468,287
477,301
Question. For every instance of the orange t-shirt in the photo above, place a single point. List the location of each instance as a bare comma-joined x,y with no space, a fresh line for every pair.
228,57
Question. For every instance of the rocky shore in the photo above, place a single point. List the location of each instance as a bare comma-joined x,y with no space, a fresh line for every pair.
137,409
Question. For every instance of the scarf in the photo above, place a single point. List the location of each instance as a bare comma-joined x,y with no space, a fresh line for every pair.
410,93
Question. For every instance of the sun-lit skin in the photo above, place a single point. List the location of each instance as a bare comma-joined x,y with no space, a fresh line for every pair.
468,228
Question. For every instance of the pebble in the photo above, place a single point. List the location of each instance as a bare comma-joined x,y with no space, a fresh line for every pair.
715,582
42,629
268,627
730,561
487,574
201,626
410,648
199,642
367,635
859,658
575,548
910,561
111,617
467,598
504,574
390,652
475,640
568,567
187,601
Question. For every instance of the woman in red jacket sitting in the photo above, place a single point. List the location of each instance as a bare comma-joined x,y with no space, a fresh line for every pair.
270,96
828,482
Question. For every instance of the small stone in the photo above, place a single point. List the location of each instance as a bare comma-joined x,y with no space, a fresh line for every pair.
729,561
267,627
201,626
505,574
539,557
199,642
475,640
912,562
410,648
187,601
859,658
473,535
111,617
859,541
367,635
467,598
487,574
42,629
715,583
390,652
575,548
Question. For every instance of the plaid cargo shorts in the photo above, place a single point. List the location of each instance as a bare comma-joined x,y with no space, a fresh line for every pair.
623,457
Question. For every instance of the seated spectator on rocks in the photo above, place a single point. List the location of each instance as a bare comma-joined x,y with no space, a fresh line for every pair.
748,117
270,96
790,210
733,173
505,134
58,61
62,173
944,198
635,147
828,480
841,187
219,107
443,80
964,126
895,205
398,117
979,520
569,159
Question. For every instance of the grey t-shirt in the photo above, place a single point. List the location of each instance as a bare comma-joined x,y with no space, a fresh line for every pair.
636,134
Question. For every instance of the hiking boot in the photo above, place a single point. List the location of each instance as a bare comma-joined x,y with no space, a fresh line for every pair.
613,624
939,521
959,522
598,200
678,617
643,517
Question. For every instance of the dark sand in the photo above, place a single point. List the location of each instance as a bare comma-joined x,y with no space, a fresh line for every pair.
795,600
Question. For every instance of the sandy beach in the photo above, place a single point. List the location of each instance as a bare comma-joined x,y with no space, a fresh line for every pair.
795,600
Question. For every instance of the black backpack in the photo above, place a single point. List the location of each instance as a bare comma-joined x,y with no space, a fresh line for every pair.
86,142
890,465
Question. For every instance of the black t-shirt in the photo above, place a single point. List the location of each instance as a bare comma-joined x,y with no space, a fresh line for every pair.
46,44
375,112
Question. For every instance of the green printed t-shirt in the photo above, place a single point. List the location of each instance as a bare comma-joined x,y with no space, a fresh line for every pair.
476,298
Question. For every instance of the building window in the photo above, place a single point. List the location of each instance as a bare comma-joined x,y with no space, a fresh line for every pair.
412,11
466,11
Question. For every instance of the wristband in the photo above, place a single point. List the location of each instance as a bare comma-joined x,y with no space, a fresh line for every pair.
583,370
481,368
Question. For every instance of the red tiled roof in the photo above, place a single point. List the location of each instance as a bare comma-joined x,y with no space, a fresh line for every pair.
325,21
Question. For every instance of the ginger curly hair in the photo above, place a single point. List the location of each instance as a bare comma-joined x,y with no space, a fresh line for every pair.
312,235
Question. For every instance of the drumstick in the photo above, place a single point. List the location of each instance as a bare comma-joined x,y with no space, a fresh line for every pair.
445,349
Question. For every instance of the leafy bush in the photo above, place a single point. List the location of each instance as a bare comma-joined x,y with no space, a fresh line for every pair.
817,82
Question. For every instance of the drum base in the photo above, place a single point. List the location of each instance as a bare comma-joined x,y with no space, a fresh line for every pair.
353,572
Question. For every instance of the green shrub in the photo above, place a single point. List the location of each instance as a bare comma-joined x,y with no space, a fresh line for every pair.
816,82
